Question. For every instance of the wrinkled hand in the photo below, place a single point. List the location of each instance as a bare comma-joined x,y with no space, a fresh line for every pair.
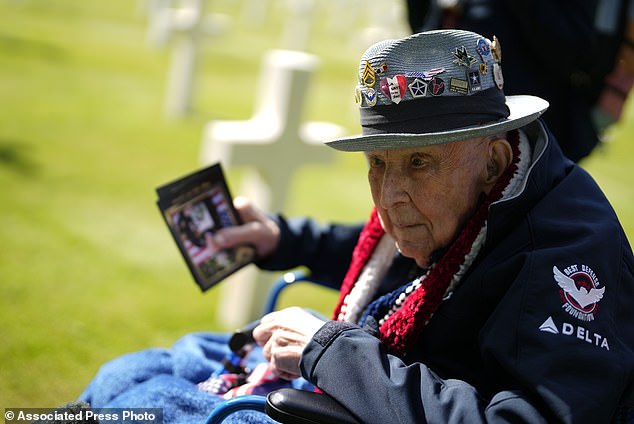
283,336
257,230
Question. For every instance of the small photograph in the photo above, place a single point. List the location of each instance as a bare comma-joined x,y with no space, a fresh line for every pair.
194,208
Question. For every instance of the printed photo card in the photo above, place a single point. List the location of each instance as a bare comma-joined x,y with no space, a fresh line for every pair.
194,208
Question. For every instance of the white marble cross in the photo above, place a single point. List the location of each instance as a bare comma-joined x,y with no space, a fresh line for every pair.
185,24
273,144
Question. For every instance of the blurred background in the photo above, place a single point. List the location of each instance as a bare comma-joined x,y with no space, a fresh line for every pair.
90,126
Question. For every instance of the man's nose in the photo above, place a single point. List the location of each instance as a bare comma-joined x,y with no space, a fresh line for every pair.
393,188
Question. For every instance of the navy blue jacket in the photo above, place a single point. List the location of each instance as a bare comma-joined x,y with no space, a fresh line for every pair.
515,342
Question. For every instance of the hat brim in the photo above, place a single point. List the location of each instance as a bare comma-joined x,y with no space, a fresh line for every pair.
523,110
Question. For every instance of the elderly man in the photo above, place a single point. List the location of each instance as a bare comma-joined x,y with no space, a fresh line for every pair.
492,281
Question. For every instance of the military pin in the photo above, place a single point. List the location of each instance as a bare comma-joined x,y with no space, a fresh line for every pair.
437,86
497,75
418,88
427,75
370,96
368,77
496,49
473,77
382,68
483,49
458,85
357,96
483,68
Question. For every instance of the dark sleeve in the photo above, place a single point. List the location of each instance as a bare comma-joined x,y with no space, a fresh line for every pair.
385,390
325,250
547,362
418,14
563,32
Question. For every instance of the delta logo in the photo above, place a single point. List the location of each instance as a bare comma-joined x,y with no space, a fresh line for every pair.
575,331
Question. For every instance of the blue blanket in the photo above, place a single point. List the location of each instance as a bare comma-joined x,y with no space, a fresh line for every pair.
167,378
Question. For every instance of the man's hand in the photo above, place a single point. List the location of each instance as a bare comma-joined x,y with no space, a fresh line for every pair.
257,230
283,336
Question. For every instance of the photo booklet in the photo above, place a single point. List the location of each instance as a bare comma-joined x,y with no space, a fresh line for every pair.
195,207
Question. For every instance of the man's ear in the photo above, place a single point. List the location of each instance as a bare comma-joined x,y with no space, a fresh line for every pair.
500,155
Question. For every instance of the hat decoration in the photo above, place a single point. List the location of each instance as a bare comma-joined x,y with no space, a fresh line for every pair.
434,87
413,83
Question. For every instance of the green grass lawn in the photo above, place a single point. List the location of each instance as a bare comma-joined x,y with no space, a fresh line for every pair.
88,270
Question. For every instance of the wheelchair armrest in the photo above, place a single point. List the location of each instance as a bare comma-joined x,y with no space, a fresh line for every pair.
287,280
304,407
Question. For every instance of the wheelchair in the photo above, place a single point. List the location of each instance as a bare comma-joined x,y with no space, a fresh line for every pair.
283,405
295,406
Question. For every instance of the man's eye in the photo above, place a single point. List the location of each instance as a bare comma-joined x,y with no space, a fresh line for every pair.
418,162
375,162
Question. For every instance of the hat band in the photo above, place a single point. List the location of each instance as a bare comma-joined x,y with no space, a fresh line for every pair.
441,114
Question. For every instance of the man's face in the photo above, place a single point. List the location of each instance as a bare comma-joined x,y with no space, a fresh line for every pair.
425,195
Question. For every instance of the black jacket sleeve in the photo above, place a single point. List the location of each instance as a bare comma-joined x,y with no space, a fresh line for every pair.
324,249
542,361
386,390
